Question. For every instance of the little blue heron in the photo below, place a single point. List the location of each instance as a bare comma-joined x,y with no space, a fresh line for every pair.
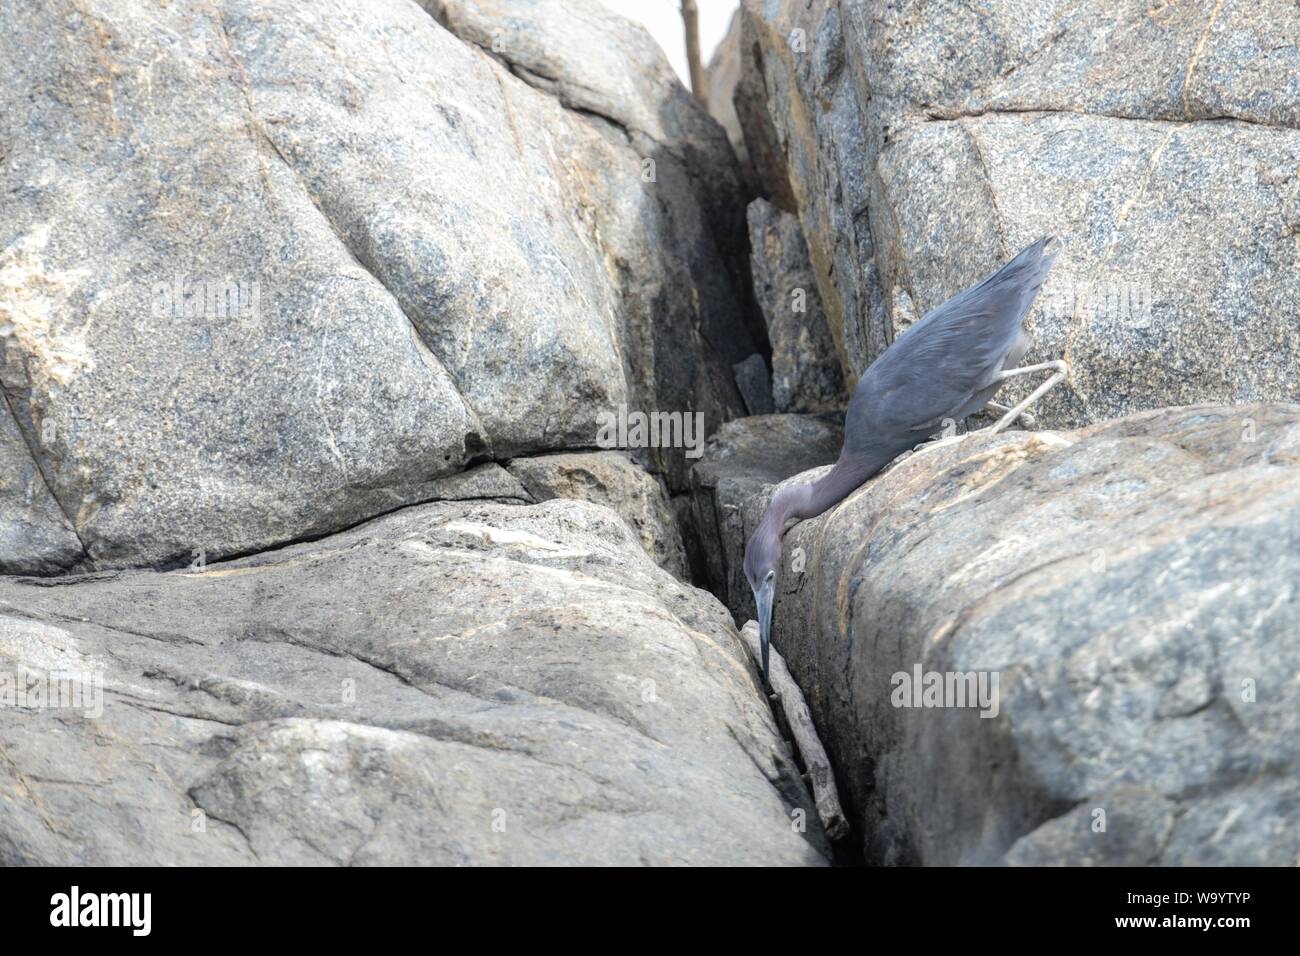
945,367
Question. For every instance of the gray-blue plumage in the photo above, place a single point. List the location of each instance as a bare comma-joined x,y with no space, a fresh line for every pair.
946,367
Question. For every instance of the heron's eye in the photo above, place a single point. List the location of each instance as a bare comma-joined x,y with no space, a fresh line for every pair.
770,575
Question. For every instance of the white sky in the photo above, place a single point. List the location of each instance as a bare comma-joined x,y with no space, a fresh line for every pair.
663,18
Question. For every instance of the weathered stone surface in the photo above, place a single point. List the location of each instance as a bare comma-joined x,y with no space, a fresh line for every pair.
814,129
1203,60
806,374
449,259
925,147
1133,585
450,684
1127,827
744,457
35,536
609,478
666,201
768,168
488,482
1251,825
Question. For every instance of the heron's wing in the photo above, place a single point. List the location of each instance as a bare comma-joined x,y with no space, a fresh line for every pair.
955,351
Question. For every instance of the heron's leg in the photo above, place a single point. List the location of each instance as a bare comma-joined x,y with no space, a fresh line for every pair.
1060,369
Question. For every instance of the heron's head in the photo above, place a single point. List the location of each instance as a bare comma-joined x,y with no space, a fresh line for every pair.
762,557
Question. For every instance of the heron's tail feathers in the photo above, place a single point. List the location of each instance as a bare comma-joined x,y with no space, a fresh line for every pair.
1028,270
1038,256
1051,248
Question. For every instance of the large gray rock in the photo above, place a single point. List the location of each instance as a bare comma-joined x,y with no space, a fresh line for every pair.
609,478
806,375
800,106
450,684
438,257
746,456
681,211
1133,586
1159,144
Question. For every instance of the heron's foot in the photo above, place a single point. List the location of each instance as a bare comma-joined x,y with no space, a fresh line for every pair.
1060,369
1028,419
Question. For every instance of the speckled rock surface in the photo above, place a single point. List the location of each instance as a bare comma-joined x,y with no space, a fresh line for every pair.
1133,586
927,143
450,684
609,478
806,374
437,258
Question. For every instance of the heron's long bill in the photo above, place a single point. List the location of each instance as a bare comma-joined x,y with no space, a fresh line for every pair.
763,599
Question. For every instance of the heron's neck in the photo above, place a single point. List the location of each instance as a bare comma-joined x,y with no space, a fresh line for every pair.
811,499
